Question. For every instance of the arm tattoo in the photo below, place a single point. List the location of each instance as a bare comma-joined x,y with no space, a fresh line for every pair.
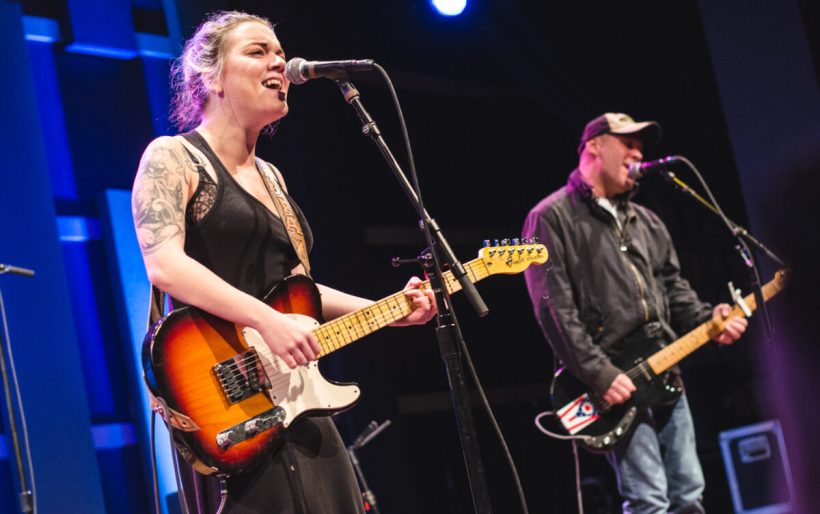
157,202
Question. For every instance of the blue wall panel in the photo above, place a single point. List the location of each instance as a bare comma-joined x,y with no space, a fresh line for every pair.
40,318
89,16
51,118
132,291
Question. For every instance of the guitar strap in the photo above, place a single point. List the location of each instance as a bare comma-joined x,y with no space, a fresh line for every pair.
179,420
285,210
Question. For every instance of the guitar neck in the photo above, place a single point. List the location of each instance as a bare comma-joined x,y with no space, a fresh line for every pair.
346,329
678,350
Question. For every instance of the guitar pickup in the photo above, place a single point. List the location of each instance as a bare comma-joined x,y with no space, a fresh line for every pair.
250,427
241,376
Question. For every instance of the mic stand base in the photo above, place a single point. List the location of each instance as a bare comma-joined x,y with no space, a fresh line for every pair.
367,494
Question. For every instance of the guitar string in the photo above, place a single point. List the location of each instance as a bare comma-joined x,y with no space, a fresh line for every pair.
253,359
329,344
672,350
704,329
390,316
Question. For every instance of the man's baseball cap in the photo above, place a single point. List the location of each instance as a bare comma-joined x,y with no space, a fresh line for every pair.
620,123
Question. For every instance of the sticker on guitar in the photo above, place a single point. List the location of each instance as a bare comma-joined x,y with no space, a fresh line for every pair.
578,414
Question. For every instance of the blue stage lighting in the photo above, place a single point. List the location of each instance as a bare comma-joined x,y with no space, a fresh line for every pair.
449,7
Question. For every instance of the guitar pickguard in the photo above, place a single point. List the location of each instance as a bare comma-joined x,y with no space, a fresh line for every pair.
303,389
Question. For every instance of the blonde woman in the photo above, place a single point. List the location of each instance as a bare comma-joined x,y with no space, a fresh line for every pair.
211,237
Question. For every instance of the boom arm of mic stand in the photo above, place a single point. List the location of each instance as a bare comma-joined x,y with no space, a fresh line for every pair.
742,236
370,129
736,229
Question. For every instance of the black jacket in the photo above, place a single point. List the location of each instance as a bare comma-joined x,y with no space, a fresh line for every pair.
602,283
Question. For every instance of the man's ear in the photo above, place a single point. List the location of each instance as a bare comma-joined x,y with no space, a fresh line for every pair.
593,146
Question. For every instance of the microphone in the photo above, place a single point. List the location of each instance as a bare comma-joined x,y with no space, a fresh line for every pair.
14,270
639,169
299,71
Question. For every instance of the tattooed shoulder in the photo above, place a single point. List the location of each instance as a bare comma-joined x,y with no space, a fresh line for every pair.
159,195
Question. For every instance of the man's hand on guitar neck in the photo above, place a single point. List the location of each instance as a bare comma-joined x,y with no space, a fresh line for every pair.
733,327
620,390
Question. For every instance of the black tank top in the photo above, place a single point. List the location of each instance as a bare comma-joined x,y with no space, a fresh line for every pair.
239,238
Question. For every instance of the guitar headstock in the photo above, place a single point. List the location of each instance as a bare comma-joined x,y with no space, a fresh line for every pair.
776,284
512,256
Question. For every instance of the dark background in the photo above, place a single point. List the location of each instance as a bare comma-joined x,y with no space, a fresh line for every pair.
495,101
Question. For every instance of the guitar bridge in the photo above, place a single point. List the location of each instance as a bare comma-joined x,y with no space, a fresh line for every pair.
241,376
250,427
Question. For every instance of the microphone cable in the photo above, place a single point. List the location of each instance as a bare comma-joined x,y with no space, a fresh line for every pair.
574,439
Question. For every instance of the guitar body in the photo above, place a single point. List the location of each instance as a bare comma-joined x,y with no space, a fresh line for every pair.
236,397
610,425
647,359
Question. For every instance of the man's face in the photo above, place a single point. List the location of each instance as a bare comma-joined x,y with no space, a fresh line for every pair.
615,154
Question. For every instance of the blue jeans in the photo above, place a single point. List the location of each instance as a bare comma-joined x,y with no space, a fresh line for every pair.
658,471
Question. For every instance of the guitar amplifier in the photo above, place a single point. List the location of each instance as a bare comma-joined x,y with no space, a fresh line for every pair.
757,468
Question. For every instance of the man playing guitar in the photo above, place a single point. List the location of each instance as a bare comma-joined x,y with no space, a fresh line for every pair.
614,281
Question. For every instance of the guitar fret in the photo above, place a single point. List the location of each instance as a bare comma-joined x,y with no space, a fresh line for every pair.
326,339
344,330
471,273
382,313
336,343
451,283
365,318
351,328
359,328
396,310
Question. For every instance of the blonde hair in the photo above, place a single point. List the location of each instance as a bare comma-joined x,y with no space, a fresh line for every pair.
201,63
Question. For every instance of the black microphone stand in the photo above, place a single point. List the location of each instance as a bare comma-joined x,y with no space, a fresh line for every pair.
371,431
26,498
742,236
737,230
449,336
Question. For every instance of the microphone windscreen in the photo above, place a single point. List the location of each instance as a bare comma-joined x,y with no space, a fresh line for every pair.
293,71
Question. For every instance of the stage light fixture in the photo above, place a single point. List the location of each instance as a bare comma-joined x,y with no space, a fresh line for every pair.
449,7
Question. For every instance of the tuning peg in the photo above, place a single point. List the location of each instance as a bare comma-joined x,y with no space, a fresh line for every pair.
516,241
486,243
505,242
534,240
495,242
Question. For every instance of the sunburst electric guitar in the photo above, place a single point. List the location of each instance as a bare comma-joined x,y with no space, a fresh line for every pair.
231,399
600,426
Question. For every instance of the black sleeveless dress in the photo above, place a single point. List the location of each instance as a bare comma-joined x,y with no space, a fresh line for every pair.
242,241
